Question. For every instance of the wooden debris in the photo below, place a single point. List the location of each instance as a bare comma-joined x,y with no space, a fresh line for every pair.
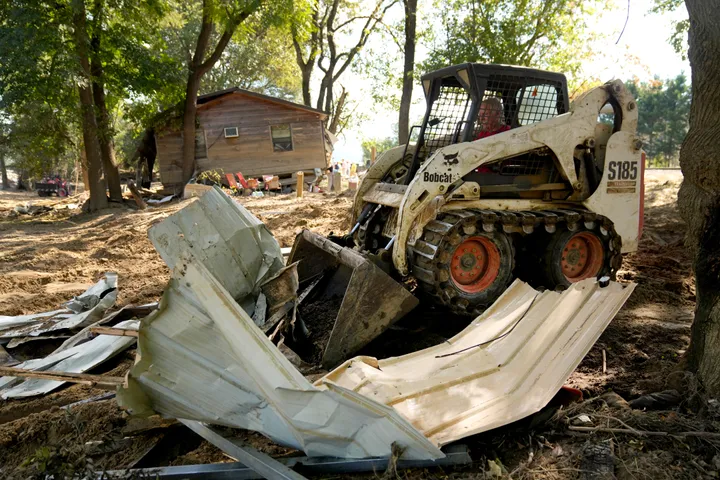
136,195
633,431
98,381
117,332
300,184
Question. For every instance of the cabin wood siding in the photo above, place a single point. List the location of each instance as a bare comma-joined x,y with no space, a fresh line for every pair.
169,157
252,151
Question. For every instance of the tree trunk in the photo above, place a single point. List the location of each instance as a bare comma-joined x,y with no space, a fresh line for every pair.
3,172
408,80
329,100
337,114
107,147
306,76
198,67
191,91
98,197
105,138
699,196
321,94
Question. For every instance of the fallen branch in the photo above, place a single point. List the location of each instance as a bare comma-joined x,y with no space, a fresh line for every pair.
136,195
99,381
117,332
643,432
608,417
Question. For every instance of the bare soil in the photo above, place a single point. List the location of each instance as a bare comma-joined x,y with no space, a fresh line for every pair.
319,317
40,253
45,259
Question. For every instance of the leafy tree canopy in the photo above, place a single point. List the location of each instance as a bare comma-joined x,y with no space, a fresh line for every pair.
539,33
664,108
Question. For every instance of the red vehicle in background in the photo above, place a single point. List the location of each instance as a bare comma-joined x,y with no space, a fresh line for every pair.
53,184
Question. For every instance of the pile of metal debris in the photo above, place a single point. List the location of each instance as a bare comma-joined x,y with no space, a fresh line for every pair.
507,364
234,343
82,349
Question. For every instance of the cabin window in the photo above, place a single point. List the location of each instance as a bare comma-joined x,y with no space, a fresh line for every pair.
281,138
231,132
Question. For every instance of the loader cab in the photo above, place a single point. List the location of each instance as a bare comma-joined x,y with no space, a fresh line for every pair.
455,96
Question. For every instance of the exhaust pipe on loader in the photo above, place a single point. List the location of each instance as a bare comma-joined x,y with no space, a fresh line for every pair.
371,300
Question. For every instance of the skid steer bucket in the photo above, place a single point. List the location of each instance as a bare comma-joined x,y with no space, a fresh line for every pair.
369,299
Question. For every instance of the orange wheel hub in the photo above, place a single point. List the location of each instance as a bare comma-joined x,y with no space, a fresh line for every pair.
475,264
582,257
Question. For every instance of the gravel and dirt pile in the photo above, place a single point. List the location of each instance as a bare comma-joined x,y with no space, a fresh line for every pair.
48,258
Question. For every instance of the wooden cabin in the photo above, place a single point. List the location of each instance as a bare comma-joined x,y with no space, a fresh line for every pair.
243,131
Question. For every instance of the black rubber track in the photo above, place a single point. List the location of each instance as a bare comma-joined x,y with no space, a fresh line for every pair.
432,253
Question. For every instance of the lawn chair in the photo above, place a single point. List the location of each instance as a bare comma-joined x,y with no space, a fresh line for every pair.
253,183
242,180
231,181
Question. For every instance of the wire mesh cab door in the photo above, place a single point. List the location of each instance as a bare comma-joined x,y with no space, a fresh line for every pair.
450,94
450,99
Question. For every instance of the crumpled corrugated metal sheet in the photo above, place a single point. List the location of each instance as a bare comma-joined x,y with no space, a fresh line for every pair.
234,245
507,364
78,359
81,311
201,357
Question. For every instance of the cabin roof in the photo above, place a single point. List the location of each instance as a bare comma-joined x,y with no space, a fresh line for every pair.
209,98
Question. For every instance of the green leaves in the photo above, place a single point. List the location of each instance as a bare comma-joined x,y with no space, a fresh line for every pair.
679,37
380,144
539,33
664,108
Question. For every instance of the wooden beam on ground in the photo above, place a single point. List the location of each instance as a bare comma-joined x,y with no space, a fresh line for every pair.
136,195
117,332
373,155
300,184
98,381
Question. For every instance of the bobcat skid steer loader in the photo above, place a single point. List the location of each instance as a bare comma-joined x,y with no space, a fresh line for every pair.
506,180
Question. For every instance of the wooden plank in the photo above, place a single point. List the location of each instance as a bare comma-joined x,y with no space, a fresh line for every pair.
136,195
261,159
117,332
256,107
300,184
262,144
98,381
244,117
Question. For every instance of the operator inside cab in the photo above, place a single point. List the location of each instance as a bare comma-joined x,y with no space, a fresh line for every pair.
490,118
490,121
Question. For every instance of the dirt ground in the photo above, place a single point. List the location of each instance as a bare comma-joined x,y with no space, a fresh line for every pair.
47,258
